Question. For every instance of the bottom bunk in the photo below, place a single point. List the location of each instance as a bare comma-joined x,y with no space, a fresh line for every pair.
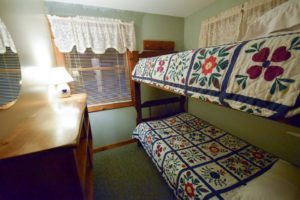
200,161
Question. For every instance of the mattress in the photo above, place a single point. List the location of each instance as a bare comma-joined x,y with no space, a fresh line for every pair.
198,160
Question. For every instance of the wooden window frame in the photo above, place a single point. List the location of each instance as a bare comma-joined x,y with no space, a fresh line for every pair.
131,60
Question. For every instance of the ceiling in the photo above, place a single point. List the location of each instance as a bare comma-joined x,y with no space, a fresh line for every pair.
179,8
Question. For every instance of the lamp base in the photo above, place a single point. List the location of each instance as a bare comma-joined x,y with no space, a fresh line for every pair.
63,90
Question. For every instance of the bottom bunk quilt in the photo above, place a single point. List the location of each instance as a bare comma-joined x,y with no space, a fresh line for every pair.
198,160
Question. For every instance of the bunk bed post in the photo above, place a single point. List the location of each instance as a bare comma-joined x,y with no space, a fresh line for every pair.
137,105
182,100
133,58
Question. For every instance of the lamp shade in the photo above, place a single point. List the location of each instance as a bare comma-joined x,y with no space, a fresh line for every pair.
59,75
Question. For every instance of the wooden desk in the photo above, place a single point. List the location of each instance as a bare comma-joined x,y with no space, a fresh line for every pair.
48,155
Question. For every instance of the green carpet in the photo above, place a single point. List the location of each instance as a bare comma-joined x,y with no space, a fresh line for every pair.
128,173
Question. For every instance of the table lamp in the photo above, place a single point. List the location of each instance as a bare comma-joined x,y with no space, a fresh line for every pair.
59,77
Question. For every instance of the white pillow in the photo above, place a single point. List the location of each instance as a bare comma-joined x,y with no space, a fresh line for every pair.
281,182
285,17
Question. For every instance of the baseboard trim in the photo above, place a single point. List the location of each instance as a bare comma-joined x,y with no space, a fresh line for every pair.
111,146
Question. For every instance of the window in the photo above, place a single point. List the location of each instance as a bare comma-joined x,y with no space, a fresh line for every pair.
104,77
10,78
95,51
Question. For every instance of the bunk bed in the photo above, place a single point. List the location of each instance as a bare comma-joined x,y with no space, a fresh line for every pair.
201,161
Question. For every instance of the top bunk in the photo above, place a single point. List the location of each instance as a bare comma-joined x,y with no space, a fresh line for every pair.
259,76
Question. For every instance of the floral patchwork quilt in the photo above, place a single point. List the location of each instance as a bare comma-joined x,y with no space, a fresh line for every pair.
198,160
260,76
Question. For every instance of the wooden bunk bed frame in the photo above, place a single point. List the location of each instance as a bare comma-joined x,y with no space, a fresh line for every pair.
151,49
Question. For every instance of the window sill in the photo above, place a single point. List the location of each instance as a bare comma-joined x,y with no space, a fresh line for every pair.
96,108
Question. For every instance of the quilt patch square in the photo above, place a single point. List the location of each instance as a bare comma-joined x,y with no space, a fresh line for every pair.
166,132
193,156
150,138
197,123
186,117
183,128
216,176
178,67
267,82
258,156
161,67
208,72
239,166
157,124
214,149
172,166
172,121
196,137
178,142
160,148
213,132
232,142
191,187
150,64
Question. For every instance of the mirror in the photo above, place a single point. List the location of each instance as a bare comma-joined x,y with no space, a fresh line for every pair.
10,70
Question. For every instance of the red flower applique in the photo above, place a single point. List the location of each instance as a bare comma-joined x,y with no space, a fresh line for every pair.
209,65
158,150
149,139
214,149
271,72
189,189
160,68
148,65
257,155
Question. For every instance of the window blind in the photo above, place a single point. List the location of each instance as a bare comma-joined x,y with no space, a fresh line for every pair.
10,77
104,77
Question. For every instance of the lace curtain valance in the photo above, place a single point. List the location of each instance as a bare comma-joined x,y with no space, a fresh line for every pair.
5,39
96,33
231,25
212,30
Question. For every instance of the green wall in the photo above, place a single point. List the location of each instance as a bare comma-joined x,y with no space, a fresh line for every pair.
269,135
113,126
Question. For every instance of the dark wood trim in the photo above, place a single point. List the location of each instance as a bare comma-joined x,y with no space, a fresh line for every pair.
132,59
159,102
96,108
138,102
160,117
111,146
155,45
146,54
161,88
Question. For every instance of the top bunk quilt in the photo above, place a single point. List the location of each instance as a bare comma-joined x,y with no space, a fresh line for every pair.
260,76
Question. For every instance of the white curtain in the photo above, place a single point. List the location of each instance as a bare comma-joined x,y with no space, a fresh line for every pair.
5,39
96,33
221,29
231,25
253,9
